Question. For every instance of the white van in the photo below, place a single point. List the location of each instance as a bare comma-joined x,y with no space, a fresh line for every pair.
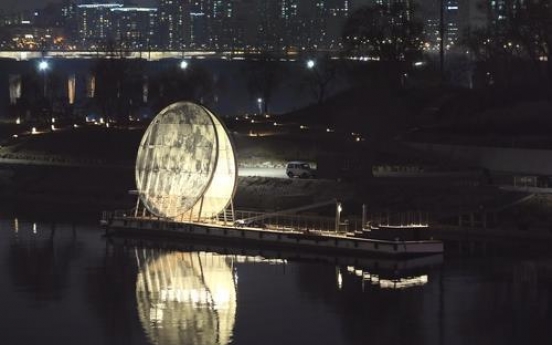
299,169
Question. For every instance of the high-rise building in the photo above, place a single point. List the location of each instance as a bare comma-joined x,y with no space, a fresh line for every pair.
70,20
243,31
198,24
451,13
95,24
172,22
459,16
312,21
221,24
289,23
266,22
337,12
135,27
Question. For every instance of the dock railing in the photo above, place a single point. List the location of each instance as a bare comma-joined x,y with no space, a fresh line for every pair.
280,222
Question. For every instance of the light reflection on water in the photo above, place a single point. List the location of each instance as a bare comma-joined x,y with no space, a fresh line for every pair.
65,284
186,297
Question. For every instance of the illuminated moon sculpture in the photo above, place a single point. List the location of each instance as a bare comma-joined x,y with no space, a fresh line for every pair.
186,166
186,298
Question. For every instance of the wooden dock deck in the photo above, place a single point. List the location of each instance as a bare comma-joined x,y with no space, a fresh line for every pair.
312,240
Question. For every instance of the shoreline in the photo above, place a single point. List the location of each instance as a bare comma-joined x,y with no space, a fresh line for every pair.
87,191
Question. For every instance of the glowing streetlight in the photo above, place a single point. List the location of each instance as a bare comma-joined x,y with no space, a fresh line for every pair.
338,210
184,64
310,64
260,104
43,66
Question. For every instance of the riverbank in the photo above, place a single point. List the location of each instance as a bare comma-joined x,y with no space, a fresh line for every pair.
88,170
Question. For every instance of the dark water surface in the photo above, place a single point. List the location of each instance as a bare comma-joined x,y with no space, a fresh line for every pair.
64,283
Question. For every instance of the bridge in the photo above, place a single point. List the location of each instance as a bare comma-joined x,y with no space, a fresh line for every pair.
25,55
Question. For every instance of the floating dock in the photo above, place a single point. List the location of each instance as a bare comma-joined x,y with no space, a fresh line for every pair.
186,168
312,240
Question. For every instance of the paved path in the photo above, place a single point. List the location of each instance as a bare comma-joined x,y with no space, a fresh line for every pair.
248,172
263,172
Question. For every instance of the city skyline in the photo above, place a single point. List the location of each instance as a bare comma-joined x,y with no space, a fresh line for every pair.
10,6
219,25
295,25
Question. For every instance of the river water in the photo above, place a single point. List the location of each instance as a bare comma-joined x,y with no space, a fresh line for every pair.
64,283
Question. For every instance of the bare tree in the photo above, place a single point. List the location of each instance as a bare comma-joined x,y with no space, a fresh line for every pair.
264,74
521,37
320,76
495,51
388,34
118,82
531,25
194,83
41,91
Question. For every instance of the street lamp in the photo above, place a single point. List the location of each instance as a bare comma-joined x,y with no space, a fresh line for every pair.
310,64
43,66
338,210
183,64
260,104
